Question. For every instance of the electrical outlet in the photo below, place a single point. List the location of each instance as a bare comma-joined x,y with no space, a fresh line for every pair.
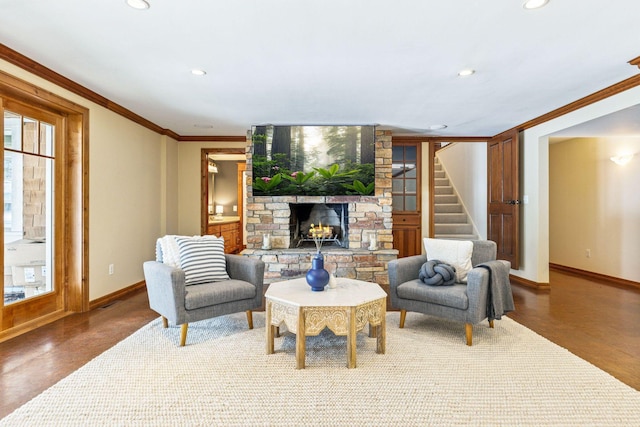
588,253
111,269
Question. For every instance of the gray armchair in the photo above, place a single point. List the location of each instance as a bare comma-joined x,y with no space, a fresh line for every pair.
466,303
181,304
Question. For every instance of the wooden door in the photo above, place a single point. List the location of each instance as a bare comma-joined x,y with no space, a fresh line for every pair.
503,208
34,220
406,198
407,238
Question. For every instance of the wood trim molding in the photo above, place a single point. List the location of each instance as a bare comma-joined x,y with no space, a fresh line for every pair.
31,325
48,74
119,294
609,280
40,70
204,182
607,92
212,138
76,180
433,147
539,286
431,138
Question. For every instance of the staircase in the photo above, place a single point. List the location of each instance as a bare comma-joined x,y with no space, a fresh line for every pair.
450,218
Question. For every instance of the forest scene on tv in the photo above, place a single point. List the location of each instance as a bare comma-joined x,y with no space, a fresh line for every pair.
313,160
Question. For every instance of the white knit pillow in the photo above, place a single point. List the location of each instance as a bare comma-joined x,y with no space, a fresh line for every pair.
202,259
170,252
454,252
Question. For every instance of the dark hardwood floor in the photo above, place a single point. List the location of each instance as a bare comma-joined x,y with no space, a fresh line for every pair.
596,321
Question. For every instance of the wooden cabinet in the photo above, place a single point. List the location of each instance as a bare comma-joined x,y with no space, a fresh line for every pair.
407,234
230,232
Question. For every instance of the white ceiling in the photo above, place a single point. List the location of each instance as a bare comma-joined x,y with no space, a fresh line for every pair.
392,63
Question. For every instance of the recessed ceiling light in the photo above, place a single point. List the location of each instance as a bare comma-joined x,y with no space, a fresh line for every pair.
534,4
437,127
467,72
138,4
198,72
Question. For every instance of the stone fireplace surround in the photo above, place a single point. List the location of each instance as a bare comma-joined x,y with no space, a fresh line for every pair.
367,215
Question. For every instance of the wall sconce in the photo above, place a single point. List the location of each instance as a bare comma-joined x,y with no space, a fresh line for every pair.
622,159
219,211
213,168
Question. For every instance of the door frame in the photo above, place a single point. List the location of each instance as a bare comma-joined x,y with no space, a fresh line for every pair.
72,243
435,143
411,221
204,183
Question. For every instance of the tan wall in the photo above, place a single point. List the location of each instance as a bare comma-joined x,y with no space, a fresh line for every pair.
466,166
189,183
594,206
156,176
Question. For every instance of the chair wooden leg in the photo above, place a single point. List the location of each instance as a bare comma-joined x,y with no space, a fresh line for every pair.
468,329
491,323
250,319
403,316
165,322
183,334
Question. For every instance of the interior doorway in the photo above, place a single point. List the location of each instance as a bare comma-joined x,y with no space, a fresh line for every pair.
223,195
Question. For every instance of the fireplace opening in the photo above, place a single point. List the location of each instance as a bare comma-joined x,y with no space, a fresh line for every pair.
332,215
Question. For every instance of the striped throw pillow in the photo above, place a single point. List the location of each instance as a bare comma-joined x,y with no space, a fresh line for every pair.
202,259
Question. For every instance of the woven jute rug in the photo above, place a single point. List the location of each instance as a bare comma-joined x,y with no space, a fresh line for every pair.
428,377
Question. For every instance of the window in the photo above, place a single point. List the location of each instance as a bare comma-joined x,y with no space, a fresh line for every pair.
28,206
404,174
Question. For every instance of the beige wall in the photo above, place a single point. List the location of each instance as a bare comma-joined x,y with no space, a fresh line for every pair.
535,181
466,166
132,192
189,183
144,185
594,206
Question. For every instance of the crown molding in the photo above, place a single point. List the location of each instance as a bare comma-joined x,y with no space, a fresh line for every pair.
607,92
48,74
214,138
40,70
431,138
17,59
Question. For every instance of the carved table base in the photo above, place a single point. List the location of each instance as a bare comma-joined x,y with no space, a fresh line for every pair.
344,310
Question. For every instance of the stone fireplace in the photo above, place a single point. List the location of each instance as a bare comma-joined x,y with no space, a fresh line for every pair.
351,255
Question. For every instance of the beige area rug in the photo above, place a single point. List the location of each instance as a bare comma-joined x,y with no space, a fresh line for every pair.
428,377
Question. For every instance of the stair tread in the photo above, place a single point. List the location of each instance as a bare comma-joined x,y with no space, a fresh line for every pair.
457,236
451,221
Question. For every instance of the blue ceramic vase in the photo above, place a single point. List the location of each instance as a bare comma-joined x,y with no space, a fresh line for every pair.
317,276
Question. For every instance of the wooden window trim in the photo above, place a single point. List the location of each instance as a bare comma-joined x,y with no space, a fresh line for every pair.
76,235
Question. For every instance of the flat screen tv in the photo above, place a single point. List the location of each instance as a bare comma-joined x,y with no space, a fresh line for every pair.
313,160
